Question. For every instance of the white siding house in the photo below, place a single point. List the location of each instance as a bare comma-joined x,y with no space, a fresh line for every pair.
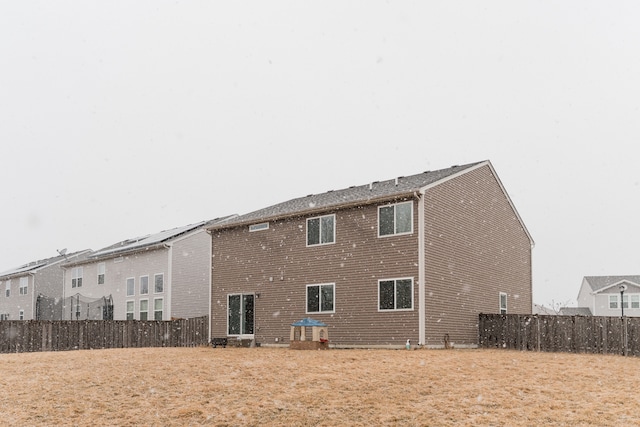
602,295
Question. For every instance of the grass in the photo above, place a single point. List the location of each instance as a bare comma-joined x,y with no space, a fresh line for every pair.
263,386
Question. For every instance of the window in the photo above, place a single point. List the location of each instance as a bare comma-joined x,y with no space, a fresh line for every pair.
625,301
503,303
7,288
144,309
321,230
258,227
395,219
635,301
158,304
320,298
131,286
76,277
4,316
101,270
24,285
240,314
613,301
21,315
159,283
144,285
130,309
395,294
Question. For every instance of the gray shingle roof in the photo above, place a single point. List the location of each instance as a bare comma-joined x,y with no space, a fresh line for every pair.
600,282
354,195
35,265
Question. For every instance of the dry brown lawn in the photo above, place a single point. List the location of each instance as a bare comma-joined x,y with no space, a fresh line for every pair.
262,386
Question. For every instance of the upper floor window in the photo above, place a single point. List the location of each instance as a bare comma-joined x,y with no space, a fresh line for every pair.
131,286
258,227
321,230
395,219
320,298
144,285
76,277
24,285
7,288
159,283
503,303
395,294
101,270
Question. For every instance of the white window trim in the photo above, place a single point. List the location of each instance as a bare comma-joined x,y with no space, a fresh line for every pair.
506,303
259,227
101,267
613,299
76,274
395,220
631,301
320,311
242,336
140,308
320,230
395,279
7,287
154,307
140,285
133,287
23,286
154,283
21,315
126,309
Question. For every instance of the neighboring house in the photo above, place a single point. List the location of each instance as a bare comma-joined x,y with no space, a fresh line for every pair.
23,286
601,295
575,311
159,276
416,257
541,309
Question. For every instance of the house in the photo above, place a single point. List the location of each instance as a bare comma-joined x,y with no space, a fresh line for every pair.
601,295
25,288
575,311
412,258
159,276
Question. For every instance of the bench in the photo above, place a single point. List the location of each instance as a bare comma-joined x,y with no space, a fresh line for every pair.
215,342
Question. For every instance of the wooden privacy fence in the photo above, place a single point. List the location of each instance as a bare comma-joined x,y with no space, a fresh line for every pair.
58,335
573,334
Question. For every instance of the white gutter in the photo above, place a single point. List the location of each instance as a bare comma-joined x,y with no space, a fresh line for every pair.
422,315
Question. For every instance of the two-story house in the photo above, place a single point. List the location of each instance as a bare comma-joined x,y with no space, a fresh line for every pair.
159,276
33,290
610,295
415,257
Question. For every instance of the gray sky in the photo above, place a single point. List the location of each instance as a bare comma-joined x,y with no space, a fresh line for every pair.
119,119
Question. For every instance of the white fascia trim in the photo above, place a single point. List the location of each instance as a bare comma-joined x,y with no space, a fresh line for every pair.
495,175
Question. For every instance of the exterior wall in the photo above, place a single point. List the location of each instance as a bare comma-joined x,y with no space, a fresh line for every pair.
475,248
117,270
190,275
601,302
276,264
16,302
585,299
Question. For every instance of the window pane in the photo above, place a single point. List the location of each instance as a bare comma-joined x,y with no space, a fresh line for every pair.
144,285
158,306
144,315
130,287
403,294
625,301
313,231
327,229
635,301
385,218
327,298
234,315
404,213
386,295
313,299
247,326
159,279
144,305
613,301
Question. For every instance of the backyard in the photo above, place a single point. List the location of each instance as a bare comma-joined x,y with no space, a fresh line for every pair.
263,386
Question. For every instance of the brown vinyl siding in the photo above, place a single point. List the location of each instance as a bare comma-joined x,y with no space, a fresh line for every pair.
277,264
475,248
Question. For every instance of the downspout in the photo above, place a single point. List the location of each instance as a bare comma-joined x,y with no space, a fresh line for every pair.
210,285
421,270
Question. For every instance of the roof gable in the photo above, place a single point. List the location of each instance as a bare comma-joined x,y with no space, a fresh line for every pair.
399,187
600,284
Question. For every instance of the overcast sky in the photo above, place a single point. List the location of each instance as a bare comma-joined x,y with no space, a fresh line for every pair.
119,119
